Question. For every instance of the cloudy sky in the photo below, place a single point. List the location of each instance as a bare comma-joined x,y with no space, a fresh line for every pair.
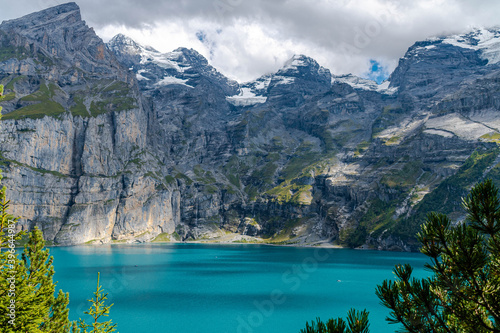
247,38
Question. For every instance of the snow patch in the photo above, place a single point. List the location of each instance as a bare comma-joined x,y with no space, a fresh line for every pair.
166,61
141,78
360,83
263,84
294,62
484,40
246,98
168,80
172,60
284,80
139,75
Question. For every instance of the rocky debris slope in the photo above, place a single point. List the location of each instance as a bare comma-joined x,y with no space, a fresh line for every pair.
120,142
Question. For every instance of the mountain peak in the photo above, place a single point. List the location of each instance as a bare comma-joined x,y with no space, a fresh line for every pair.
60,31
126,45
305,67
299,60
123,41
68,12
121,38
189,56
154,68
434,62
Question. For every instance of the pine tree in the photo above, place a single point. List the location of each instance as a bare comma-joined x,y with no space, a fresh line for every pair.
30,280
27,302
463,294
357,322
97,310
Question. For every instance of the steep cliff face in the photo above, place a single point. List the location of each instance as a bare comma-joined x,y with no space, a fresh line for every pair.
120,142
74,127
308,156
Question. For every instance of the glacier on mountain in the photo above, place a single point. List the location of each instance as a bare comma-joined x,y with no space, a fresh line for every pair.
246,98
485,40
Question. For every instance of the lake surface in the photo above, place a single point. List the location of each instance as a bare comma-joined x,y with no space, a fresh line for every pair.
227,288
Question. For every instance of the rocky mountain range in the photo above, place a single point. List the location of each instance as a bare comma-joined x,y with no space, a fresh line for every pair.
119,142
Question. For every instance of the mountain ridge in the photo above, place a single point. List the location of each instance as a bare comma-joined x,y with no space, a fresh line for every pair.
119,142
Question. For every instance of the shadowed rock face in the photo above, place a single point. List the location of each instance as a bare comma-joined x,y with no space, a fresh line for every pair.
120,142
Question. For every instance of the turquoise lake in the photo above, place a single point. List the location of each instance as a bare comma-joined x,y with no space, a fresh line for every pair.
227,288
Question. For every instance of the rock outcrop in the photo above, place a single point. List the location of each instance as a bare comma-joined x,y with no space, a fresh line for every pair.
119,142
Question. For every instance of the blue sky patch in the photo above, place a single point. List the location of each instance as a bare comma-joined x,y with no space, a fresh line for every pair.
377,72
